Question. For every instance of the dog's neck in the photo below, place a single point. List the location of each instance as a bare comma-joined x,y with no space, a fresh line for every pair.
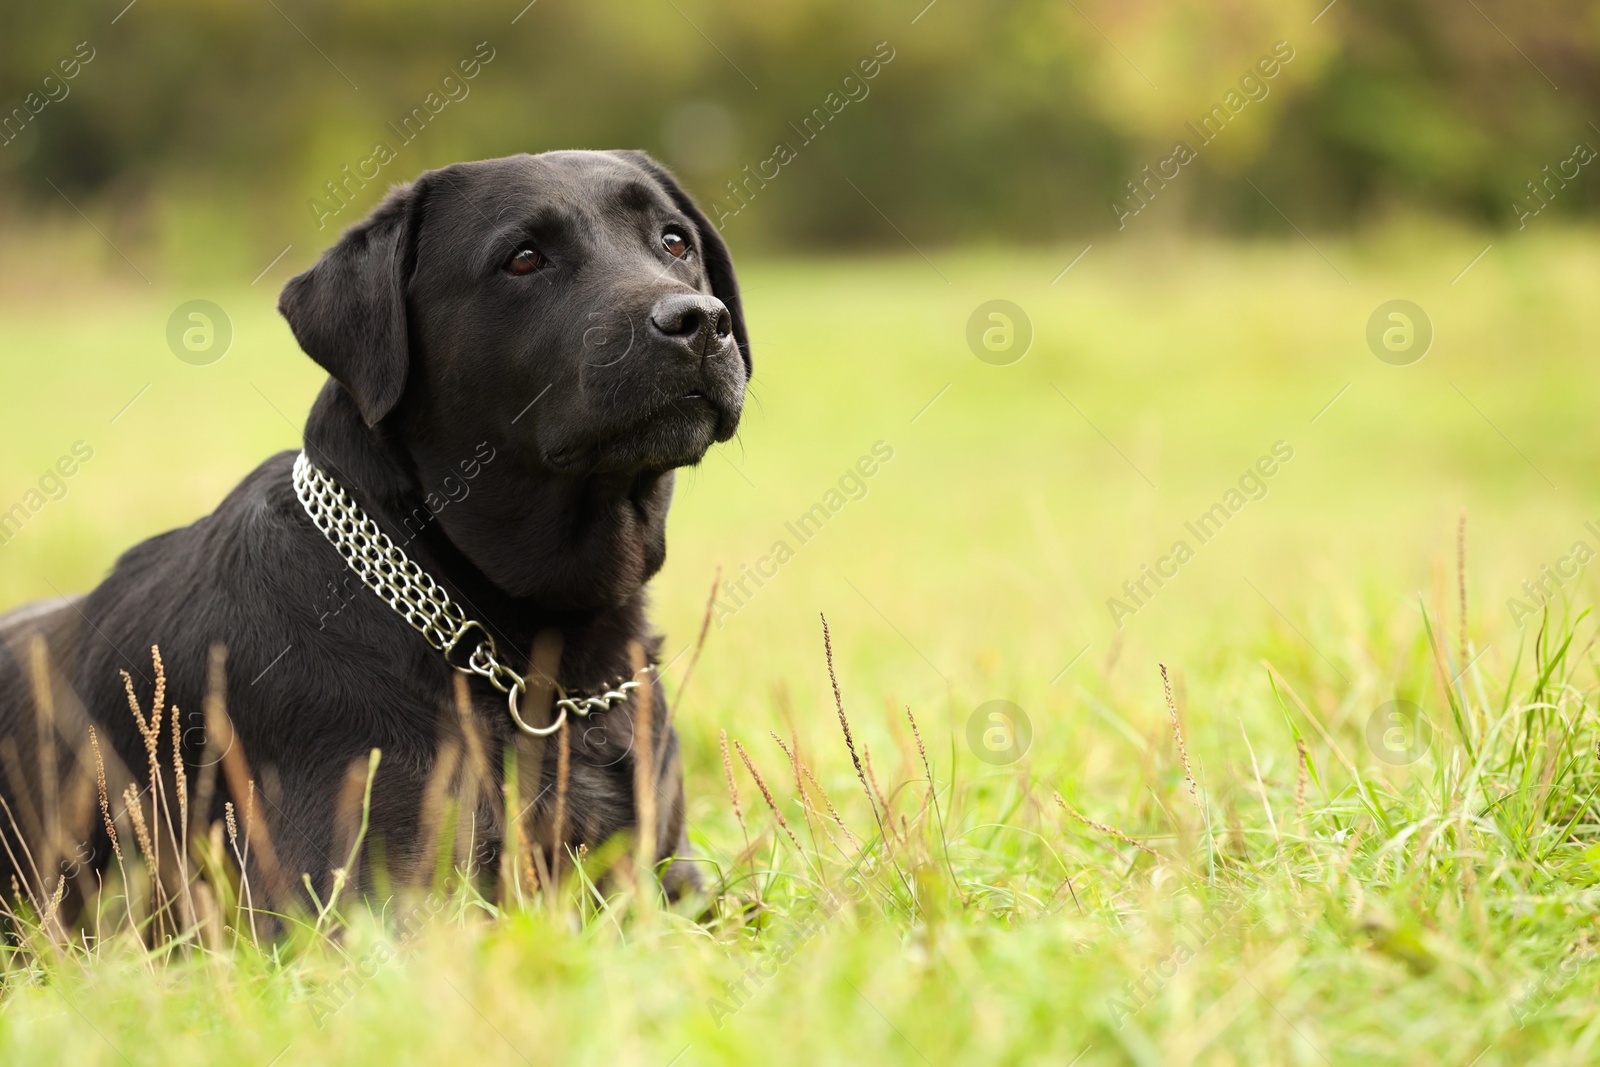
520,541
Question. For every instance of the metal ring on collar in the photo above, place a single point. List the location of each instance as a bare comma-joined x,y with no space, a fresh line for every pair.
561,703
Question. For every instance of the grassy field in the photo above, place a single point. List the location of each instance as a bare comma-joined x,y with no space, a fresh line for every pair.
1141,885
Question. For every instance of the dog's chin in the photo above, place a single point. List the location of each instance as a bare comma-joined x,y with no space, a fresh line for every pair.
676,435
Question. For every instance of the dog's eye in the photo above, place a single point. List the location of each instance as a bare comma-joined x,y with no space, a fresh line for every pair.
674,243
525,261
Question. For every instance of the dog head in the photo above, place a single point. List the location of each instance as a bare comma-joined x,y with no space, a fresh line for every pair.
576,306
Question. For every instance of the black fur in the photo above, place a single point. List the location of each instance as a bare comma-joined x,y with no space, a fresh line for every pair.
516,434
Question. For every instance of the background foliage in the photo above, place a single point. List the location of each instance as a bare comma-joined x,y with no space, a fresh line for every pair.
202,122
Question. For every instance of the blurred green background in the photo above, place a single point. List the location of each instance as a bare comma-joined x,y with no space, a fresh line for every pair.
1366,153
200,134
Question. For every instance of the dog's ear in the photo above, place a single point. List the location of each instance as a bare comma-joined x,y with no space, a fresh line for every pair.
719,264
349,310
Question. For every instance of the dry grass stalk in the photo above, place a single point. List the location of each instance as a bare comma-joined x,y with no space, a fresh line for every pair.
25,888
347,808
733,788
1234,844
1439,649
558,823
55,933
180,780
54,843
478,774
249,814
844,723
543,878
149,728
433,802
529,876
211,756
1109,831
1177,734
528,752
55,903
141,829
644,769
150,733
766,794
1356,834
1312,717
214,848
806,807
872,781
794,766
248,898
180,833
933,802
105,800
1461,583
236,771
922,750
827,802
208,916
1300,776
78,810
44,705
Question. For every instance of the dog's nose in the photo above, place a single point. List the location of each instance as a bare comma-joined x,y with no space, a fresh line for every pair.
696,324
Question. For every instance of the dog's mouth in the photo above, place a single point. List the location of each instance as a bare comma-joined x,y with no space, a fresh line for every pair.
674,433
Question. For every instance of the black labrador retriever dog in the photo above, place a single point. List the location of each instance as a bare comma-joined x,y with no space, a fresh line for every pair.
521,352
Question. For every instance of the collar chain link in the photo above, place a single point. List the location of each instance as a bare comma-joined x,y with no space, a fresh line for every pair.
411,591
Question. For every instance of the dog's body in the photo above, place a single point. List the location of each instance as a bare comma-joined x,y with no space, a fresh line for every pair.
480,413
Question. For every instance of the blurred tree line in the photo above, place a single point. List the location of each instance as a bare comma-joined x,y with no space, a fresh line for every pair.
230,121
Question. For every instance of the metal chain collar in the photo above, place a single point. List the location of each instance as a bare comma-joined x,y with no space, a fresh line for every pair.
411,591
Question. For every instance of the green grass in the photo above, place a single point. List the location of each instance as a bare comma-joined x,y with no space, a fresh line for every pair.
1424,913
